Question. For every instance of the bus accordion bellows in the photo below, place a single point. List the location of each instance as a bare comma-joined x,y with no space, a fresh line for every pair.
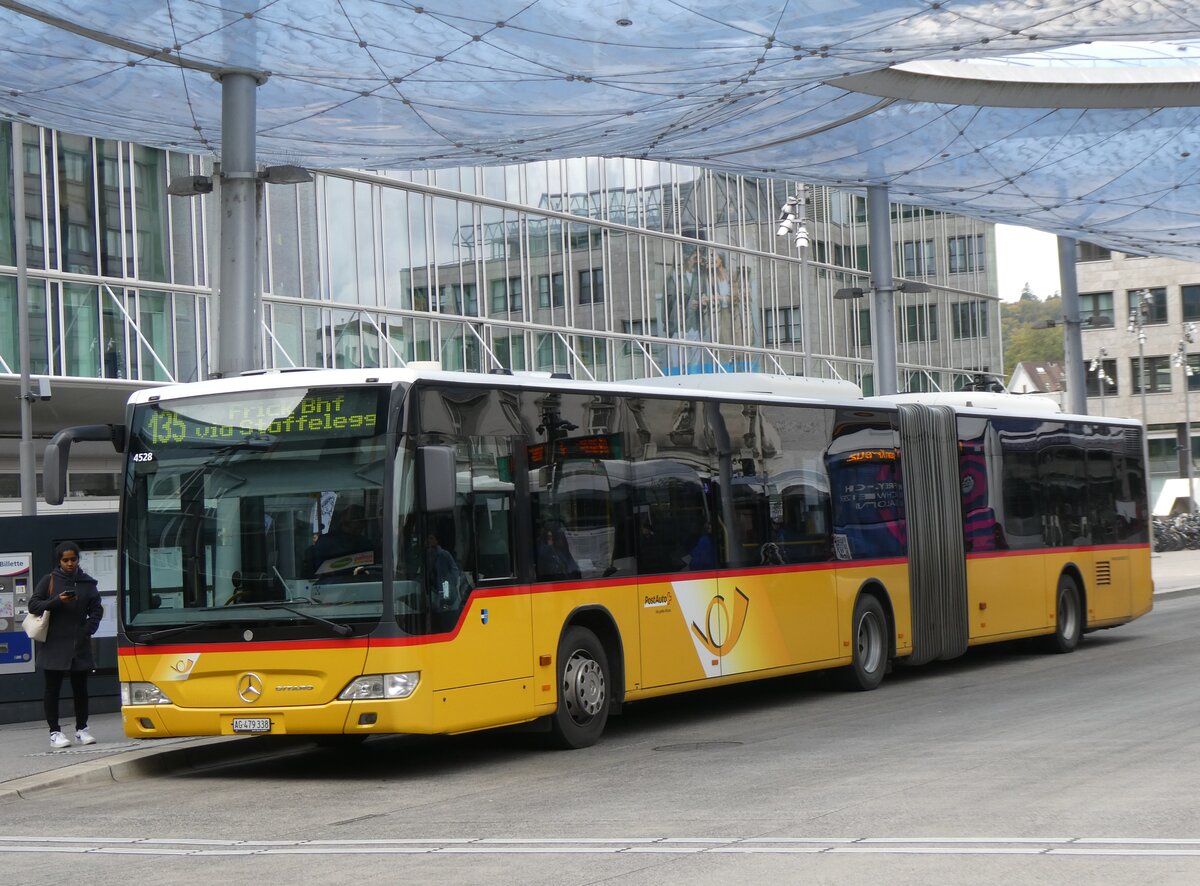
359,552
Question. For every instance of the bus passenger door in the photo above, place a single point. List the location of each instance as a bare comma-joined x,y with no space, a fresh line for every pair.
464,557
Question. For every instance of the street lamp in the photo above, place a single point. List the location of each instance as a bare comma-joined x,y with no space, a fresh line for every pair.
791,221
1097,366
1138,314
909,286
1181,359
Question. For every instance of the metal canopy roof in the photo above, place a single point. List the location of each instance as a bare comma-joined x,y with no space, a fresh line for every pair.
1095,140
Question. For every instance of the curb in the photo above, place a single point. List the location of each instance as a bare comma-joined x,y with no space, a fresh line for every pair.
1176,592
196,754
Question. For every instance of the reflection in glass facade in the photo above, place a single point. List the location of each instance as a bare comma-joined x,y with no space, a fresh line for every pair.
603,268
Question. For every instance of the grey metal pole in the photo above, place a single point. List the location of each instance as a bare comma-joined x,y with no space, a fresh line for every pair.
239,305
1072,334
28,466
1187,441
1138,319
1142,369
807,291
1190,468
883,304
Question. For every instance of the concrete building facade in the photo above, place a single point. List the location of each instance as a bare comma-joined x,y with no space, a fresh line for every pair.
1136,314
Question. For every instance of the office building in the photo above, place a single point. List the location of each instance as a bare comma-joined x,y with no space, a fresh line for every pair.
603,268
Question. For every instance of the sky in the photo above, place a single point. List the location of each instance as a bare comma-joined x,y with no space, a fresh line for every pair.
1024,255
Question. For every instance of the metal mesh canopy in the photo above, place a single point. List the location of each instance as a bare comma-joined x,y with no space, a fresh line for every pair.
1095,140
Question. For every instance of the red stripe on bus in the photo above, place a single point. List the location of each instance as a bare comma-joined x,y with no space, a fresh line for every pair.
1040,552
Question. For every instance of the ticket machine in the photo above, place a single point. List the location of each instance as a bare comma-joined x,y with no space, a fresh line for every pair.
16,585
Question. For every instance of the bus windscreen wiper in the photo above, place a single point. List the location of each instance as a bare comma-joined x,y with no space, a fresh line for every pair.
340,629
155,636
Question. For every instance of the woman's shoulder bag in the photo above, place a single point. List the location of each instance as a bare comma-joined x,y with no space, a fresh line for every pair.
37,626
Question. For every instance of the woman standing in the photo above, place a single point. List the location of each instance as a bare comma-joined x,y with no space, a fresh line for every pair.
70,596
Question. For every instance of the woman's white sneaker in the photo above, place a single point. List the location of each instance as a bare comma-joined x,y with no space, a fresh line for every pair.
83,736
58,740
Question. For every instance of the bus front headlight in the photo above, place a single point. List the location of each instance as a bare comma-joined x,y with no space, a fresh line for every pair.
381,686
142,693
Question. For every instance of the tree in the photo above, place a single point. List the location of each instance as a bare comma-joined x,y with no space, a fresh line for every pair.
1022,342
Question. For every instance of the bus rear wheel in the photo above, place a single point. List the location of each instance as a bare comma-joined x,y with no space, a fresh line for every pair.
1068,620
870,646
583,691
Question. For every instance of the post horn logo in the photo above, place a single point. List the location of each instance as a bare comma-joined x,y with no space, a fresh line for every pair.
250,688
727,629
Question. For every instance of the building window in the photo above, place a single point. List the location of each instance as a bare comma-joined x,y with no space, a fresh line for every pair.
550,290
1102,379
593,353
1096,308
470,299
550,353
864,328
969,319
1191,302
1156,372
638,328
1091,252
510,351
919,382
783,326
1193,373
591,286
966,253
74,166
1151,302
506,295
921,322
919,258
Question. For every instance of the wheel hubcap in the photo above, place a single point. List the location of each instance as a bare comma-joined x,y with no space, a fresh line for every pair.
583,687
870,642
1067,614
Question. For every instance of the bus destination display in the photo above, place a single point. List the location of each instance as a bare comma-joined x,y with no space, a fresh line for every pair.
597,446
288,415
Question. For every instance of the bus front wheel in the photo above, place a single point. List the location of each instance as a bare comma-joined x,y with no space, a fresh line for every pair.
870,645
1068,620
583,690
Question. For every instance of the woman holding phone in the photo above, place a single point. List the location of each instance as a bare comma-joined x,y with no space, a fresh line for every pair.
70,596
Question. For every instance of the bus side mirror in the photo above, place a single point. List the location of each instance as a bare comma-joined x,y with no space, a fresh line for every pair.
58,453
437,468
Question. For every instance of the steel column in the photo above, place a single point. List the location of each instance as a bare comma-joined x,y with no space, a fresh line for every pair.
883,303
28,466
239,305
1072,333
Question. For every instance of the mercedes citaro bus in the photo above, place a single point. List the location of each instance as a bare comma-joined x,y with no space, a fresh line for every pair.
359,552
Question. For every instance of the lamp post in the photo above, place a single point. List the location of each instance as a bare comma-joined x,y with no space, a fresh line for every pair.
1101,377
1137,326
1181,359
791,221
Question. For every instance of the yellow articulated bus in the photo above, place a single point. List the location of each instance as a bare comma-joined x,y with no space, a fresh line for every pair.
360,552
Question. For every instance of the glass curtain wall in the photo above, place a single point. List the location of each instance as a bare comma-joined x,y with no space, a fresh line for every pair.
601,268
620,268
99,225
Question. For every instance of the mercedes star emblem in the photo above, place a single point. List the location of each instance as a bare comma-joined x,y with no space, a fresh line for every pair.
250,688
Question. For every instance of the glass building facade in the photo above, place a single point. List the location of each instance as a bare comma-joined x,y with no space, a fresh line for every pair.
602,268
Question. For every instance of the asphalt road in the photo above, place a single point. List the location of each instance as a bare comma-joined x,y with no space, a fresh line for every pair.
1006,766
